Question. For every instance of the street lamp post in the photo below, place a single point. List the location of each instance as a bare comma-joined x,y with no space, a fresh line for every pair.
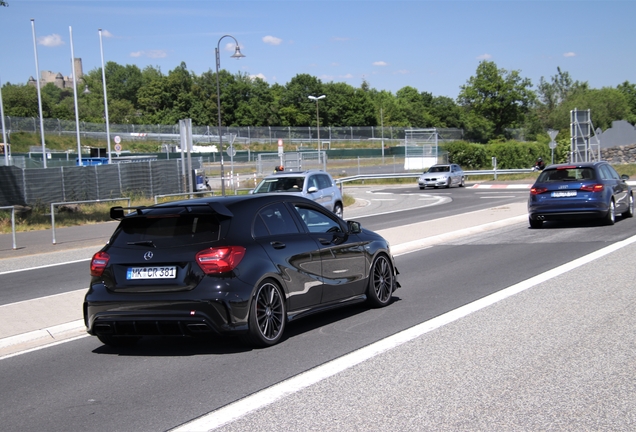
316,99
237,55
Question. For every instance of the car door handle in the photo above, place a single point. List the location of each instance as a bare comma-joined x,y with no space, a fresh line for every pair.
278,245
324,241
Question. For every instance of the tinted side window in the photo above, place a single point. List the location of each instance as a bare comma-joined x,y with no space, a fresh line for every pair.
605,173
312,182
323,181
613,172
316,221
276,220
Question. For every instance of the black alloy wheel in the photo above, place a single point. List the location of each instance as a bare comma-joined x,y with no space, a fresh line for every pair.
381,282
267,315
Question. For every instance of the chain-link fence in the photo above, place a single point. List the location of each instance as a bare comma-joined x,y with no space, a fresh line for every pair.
60,184
210,134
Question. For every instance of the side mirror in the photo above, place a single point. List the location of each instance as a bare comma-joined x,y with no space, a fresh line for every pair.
624,177
354,227
251,191
312,189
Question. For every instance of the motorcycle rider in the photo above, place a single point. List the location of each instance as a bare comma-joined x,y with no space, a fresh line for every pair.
540,165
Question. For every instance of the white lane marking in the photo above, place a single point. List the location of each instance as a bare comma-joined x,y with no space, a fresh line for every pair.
44,266
438,201
52,344
498,197
241,408
382,199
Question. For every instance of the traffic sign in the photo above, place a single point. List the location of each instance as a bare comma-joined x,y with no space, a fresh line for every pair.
280,147
117,139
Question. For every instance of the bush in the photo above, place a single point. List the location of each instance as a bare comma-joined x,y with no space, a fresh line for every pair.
467,155
514,154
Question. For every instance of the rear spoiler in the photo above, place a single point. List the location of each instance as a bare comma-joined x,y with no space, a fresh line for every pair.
118,213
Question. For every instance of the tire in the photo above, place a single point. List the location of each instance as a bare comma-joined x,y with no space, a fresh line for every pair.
630,208
337,209
118,341
381,282
610,218
463,182
267,315
449,184
535,223
422,187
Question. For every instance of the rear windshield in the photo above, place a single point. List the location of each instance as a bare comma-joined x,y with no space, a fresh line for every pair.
166,231
281,184
567,174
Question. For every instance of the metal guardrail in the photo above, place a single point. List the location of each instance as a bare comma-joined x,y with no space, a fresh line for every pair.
12,223
53,205
417,175
182,194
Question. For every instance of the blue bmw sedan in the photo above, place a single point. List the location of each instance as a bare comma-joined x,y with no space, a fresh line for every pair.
591,190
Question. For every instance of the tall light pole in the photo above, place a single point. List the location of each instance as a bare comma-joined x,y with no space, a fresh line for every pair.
37,78
237,55
101,50
316,99
75,84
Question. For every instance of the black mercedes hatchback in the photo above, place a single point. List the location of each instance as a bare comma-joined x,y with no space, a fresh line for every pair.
233,265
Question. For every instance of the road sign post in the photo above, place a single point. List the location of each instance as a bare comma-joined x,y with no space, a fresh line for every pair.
553,133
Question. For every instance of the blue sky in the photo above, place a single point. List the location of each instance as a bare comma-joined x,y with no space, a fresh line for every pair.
434,46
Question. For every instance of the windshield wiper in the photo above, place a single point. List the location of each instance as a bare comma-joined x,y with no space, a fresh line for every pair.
142,243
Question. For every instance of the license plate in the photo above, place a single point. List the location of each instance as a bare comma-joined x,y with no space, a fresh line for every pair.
561,194
169,272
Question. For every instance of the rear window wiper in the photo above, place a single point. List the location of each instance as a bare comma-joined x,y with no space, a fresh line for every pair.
142,243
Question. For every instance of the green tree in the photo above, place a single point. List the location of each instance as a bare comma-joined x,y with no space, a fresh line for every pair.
414,106
20,100
629,91
346,106
295,108
495,99
554,93
605,105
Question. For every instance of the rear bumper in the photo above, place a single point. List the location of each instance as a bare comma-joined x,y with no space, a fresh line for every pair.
590,210
166,314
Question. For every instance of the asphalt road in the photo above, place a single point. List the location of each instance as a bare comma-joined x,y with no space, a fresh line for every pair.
555,356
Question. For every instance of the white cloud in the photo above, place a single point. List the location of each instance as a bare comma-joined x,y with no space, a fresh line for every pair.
259,75
231,47
107,34
347,76
150,54
156,54
51,40
569,54
380,63
484,57
272,40
340,39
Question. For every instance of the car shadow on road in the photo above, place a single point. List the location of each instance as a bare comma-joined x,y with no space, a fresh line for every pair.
158,346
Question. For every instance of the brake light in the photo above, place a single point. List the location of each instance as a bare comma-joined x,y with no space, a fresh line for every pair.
99,263
220,259
537,190
592,188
